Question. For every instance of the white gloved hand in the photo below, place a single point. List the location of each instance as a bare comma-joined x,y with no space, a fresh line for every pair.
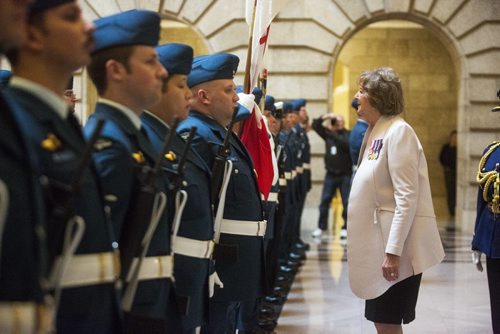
213,280
476,259
247,100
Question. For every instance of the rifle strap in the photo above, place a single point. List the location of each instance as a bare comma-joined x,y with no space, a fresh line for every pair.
222,200
180,203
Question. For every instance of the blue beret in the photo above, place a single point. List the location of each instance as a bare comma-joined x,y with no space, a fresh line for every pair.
242,114
355,103
269,105
41,5
134,27
4,77
298,103
257,92
213,67
287,107
176,58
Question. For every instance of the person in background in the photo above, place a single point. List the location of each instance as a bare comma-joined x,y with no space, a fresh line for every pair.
487,228
338,167
356,138
448,159
392,232
70,96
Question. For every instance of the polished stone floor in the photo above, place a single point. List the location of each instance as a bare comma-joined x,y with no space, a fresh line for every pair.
453,296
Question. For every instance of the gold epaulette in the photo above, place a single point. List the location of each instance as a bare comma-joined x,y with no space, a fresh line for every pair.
486,178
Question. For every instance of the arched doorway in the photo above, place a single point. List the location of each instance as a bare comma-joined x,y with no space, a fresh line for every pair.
430,83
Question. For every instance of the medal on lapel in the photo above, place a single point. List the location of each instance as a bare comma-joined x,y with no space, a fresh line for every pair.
138,157
375,148
51,143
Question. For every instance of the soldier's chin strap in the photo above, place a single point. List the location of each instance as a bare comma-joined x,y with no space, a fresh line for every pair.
72,236
159,205
4,208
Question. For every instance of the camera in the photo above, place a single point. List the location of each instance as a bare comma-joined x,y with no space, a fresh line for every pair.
334,121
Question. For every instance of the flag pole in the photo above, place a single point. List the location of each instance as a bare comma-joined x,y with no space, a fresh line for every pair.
246,82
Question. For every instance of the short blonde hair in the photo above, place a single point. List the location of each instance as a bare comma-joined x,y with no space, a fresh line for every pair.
384,89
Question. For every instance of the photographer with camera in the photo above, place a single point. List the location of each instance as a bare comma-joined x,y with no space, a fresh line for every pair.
338,165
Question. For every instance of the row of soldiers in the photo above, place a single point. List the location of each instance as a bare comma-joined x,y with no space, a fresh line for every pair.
137,224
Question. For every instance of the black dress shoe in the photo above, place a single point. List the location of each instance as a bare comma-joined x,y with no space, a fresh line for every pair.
267,311
296,256
268,325
274,300
288,270
284,279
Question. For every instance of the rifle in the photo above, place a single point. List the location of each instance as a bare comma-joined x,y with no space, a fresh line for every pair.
65,228
143,216
220,161
176,182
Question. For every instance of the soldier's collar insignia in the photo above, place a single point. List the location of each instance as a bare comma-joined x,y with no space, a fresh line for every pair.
51,143
170,156
375,148
138,157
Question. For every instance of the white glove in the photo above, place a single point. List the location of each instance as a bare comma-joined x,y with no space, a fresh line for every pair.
476,259
212,281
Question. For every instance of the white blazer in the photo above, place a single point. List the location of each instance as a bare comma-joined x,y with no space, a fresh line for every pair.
390,209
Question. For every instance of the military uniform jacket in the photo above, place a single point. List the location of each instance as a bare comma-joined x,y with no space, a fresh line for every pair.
60,162
390,209
487,228
119,154
191,274
23,260
243,278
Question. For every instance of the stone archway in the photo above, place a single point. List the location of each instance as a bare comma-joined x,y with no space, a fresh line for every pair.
307,37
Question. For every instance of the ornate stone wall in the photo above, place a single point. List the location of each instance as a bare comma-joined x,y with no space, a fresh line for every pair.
308,35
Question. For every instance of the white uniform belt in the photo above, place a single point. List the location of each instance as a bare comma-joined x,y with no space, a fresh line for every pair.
306,166
294,174
244,227
282,182
90,269
153,267
24,317
288,175
300,169
272,197
201,249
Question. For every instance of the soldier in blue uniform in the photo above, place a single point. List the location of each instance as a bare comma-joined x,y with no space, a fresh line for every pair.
487,230
239,252
23,254
88,300
193,243
129,78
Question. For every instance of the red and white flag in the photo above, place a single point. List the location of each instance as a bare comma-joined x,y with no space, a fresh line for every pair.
254,133
265,12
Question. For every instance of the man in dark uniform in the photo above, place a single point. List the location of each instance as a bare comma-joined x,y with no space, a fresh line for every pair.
129,78
487,230
23,253
192,242
42,68
239,224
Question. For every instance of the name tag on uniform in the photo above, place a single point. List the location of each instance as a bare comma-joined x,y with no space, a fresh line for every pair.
333,150
375,148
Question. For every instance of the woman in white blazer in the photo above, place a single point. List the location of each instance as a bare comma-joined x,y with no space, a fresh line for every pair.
392,236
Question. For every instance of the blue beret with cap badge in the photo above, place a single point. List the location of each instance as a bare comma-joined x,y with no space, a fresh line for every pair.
133,27
175,57
213,67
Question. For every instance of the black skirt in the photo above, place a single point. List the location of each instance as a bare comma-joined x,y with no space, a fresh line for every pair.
397,304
